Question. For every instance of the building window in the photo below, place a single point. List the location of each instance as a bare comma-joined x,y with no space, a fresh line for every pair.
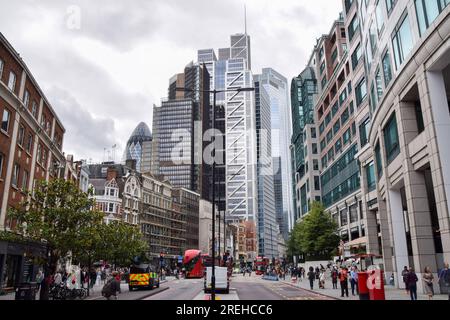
379,161
314,148
353,213
15,176
26,98
316,183
353,27
337,126
39,154
380,16
387,70
391,139
390,4
364,132
419,116
5,120
21,136
338,146
25,180
345,116
356,56
402,41
370,173
361,92
354,233
427,11
34,109
347,136
1,68
344,217
12,81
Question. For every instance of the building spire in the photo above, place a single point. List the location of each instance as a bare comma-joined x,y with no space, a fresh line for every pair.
245,18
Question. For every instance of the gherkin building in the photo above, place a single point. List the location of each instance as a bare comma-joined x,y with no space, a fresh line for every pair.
139,148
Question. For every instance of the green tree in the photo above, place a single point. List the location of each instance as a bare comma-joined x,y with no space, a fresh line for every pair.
121,243
316,236
62,217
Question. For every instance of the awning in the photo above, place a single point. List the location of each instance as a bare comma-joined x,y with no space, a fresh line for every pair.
356,242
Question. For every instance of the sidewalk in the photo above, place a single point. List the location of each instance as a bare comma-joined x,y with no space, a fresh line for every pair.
94,293
391,293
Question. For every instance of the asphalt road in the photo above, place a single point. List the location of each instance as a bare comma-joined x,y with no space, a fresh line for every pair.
254,288
247,288
184,289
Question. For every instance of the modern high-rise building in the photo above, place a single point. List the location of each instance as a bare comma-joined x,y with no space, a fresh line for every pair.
179,125
139,148
238,179
276,86
267,220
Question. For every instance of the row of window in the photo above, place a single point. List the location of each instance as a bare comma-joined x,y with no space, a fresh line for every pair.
346,188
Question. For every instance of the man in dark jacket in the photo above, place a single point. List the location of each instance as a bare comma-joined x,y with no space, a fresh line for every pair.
411,282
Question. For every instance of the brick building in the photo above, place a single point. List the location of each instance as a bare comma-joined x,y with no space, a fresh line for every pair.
31,139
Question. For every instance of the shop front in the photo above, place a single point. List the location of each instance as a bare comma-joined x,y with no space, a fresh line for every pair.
18,263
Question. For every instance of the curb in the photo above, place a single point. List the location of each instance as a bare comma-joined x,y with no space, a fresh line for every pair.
312,291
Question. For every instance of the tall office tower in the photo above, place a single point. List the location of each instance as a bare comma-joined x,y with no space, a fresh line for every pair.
231,72
277,87
139,148
178,126
304,136
267,221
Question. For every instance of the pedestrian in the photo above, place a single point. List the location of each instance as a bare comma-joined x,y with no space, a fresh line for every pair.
411,282
322,279
343,279
334,277
444,278
317,273
404,276
57,278
428,278
111,288
354,280
311,277
39,279
93,278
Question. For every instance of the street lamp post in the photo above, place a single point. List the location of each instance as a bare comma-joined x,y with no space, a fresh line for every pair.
214,92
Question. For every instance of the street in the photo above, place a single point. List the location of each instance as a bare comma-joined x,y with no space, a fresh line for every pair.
242,288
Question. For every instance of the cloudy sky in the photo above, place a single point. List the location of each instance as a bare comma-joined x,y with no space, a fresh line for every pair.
104,63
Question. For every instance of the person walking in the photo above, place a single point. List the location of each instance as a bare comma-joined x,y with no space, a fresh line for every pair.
404,276
411,282
428,278
343,279
93,278
444,278
112,288
334,277
311,276
354,280
322,279
39,279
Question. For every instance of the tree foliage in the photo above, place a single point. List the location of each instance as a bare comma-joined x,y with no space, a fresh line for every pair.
316,236
59,214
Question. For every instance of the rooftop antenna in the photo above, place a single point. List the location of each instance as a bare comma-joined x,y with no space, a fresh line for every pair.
245,18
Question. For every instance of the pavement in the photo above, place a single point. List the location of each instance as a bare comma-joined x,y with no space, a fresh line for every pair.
96,292
391,293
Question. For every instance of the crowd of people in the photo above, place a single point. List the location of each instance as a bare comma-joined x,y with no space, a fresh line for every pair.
410,280
346,276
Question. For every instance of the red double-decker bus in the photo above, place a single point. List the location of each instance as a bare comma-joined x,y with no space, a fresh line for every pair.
261,264
194,264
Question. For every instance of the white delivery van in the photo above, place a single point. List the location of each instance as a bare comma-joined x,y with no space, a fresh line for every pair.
222,280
